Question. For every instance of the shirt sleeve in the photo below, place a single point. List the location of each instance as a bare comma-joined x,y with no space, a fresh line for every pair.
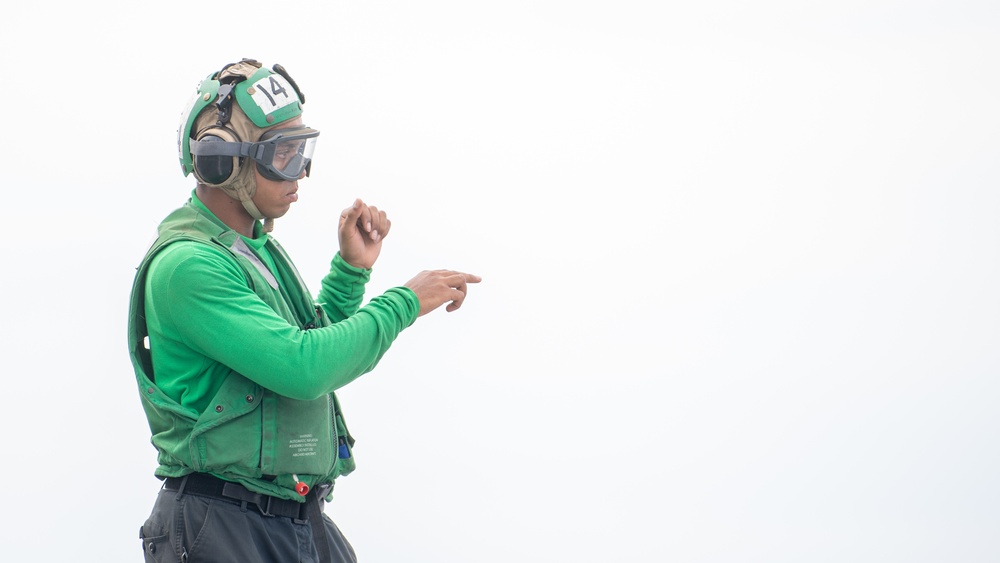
342,290
202,298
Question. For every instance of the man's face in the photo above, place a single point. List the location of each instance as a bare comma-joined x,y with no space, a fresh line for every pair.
275,198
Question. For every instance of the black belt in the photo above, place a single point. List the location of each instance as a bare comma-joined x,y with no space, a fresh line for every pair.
205,485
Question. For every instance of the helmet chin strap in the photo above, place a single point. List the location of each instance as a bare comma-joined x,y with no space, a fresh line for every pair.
243,188
255,213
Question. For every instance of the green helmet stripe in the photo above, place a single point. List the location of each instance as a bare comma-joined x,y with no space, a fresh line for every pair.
207,92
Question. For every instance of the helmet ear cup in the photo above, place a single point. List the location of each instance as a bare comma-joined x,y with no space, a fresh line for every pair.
216,170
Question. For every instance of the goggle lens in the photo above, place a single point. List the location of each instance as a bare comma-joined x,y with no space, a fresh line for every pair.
292,154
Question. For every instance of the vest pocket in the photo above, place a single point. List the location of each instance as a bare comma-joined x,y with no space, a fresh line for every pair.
304,437
226,437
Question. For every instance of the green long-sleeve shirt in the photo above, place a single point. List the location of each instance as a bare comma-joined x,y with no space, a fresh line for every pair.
204,320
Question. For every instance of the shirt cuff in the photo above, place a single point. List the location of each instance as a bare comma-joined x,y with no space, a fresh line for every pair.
341,265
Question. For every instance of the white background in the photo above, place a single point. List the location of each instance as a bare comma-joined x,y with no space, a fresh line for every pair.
740,270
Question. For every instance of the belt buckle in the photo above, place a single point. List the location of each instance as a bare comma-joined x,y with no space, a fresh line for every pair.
264,505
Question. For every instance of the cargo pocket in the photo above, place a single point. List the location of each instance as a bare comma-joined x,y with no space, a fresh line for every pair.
156,549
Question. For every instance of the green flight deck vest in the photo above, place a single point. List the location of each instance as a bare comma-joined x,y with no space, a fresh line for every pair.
248,434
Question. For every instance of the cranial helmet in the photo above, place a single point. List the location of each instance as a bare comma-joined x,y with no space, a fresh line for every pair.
216,136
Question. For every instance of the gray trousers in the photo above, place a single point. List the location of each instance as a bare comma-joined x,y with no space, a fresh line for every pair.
190,529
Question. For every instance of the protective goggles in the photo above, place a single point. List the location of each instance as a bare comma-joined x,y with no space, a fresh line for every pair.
280,154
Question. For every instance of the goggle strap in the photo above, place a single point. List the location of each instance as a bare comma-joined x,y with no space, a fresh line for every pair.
226,148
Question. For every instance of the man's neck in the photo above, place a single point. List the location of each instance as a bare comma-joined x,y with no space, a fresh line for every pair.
227,209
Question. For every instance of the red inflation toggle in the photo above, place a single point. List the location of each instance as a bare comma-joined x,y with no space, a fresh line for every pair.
300,487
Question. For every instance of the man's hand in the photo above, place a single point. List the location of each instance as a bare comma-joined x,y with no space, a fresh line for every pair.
362,228
437,287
